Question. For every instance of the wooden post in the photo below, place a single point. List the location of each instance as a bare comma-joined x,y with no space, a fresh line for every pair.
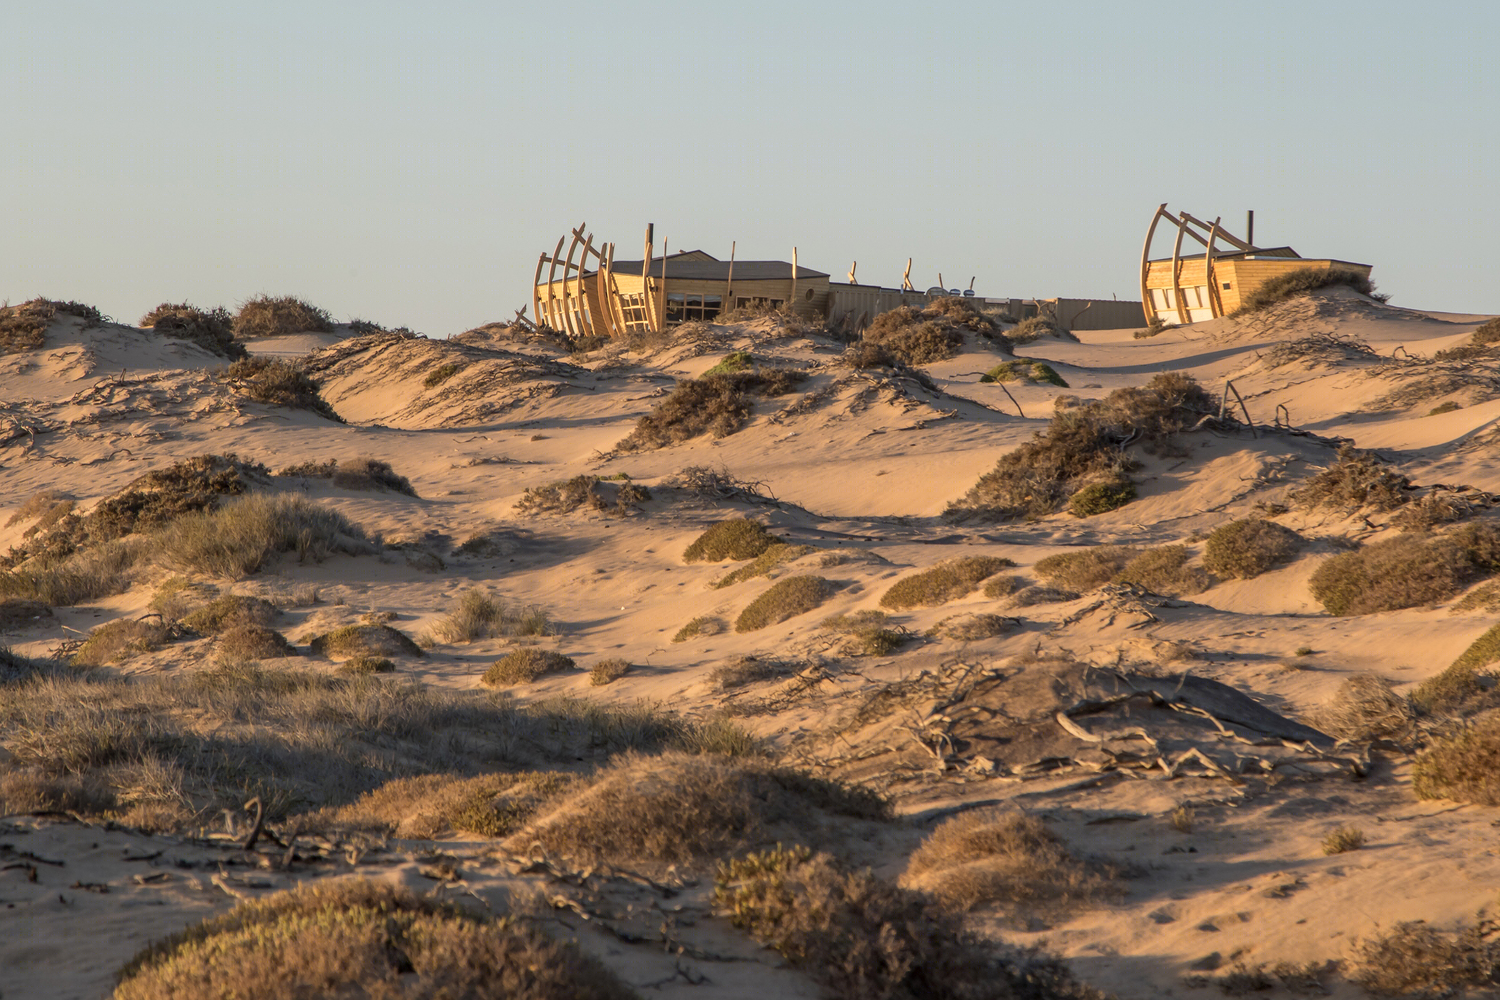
646,280
729,282
536,282
852,268
1182,316
905,275
551,272
793,303
1250,227
661,289
1215,301
941,283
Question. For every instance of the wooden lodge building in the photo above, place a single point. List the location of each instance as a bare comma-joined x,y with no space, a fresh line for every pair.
1187,288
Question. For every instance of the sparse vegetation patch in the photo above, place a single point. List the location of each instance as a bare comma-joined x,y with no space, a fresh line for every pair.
1355,481
1165,570
1460,682
766,563
1303,281
714,404
1024,370
244,535
278,383
947,581
785,599
279,316
1086,569
1406,571
583,491
524,665
737,538
1464,767
368,474
212,330
364,640
483,616
1246,549
1415,959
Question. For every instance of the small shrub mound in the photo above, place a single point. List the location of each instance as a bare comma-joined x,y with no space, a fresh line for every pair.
1459,684
1034,328
863,938
24,327
228,612
987,858
608,671
364,640
680,809
1246,549
911,337
278,383
1464,767
947,581
522,666
785,599
1165,570
735,361
1085,570
40,507
969,628
362,665
365,474
714,404
1343,840
1364,709
867,632
997,587
265,316
742,671
1024,370
1303,281
244,535
583,491
247,643
1418,960
441,374
212,330
1084,445
482,616
1406,571
700,626
1355,481
427,806
117,640
765,563
356,937
1101,498
737,538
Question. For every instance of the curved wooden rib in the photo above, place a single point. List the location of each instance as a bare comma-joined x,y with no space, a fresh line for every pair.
585,314
1147,305
608,299
567,312
661,290
536,295
1182,316
551,276
1215,303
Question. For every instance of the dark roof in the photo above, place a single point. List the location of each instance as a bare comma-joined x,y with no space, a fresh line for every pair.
718,270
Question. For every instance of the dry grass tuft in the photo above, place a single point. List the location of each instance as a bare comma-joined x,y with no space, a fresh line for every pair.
278,383
1246,549
1406,571
608,671
1084,445
221,614
365,474
1030,596
701,626
1459,684
678,809
1417,960
428,806
1464,767
212,330
1086,569
355,937
766,563
24,327
522,666
1009,859
583,491
481,616
265,316
1355,481
785,599
970,628
1365,709
997,587
361,665
242,536
41,505
1303,281
742,671
247,643
947,581
116,640
714,404
1034,328
863,938
867,632
737,538
1165,570
364,640
1343,840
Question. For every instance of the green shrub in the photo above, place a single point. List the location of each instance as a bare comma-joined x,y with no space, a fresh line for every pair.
785,599
1101,498
278,383
1024,370
997,587
1086,569
1464,767
212,330
265,316
735,361
737,538
441,374
1449,407
702,625
947,581
1449,690
1406,571
1303,281
1165,570
1246,549
357,937
765,563
522,666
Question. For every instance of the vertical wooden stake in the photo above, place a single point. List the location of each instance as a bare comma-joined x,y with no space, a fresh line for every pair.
661,290
906,277
793,303
852,268
729,282
646,311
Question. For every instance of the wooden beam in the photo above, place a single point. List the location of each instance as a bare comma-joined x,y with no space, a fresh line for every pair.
1176,273
906,277
646,279
1146,304
852,268
567,312
661,289
1215,302
729,282
551,273
587,250
536,295
585,314
605,282
1224,234
792,303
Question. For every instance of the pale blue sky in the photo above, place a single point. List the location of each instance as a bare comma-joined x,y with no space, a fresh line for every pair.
407,163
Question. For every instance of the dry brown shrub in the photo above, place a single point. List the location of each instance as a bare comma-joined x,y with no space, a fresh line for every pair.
736,538
915,338
1085,444
364,640
242,536
24,327
1365,709
766,563
267,316
715,404
608,671
990,857
867,632
362,665
1034,328
278,383
1085,570
1486,333
678,809
229,612
1415,959
702,625
248,643
367,474
997,587
1165,570
787,598
1355,481
1464,767
1028,597
947,581
970,628
863,938
355,937
1343,840
522,666
742,671
37,505
1406,571
1246,549
582,491
1304,281
429,806
212,330
119,639
482,616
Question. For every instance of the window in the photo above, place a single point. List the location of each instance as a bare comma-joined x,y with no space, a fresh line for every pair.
757,302
684,308
1226,286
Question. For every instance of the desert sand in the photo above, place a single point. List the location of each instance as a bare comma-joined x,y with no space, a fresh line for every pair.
860,464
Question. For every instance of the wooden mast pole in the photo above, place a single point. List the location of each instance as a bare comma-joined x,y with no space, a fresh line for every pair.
729,282
792,304
646,280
